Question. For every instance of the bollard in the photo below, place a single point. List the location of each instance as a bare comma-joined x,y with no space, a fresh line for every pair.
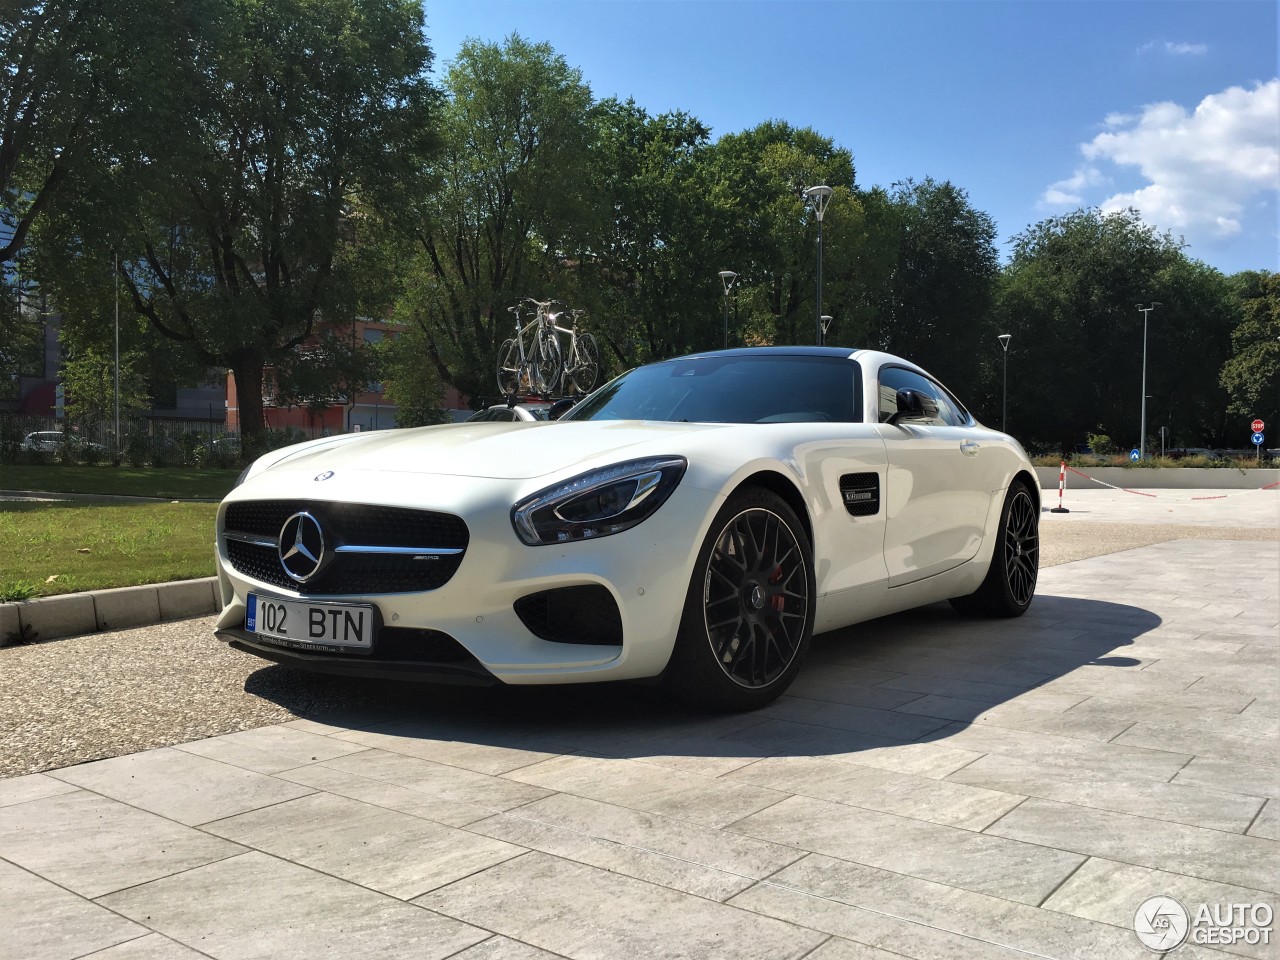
1062,485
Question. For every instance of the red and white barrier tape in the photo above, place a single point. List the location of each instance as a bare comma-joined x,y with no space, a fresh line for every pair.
1154,496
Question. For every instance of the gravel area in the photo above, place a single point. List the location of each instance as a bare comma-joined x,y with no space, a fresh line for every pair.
1082,539
105,695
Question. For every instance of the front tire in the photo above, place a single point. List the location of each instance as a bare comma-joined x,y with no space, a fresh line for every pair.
1010,583
585,369
548,364
748,615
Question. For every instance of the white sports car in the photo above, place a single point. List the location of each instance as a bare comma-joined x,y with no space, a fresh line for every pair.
694,520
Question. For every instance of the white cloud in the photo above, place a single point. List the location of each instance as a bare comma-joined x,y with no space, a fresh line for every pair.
1202,168
1070,192
1175,49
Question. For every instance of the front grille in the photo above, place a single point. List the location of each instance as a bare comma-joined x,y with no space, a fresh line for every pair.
353,522
586,614
347,524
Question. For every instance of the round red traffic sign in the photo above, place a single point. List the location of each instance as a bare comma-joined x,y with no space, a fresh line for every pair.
1257,426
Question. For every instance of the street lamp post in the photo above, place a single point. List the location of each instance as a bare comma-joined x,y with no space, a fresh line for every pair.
728,278
1142,435
819,197
1004,339
824,322
116,264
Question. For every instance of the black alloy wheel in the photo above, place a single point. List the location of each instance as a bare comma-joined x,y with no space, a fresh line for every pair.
748,616
1022,548
1010,582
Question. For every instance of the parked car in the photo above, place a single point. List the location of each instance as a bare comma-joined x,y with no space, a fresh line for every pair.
694,520
51,441
44,441
228,444
521,412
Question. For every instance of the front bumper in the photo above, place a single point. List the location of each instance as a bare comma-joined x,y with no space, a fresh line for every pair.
468,672
645,569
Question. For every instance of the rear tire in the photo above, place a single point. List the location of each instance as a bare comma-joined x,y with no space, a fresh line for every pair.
748,614
508,367
1010,583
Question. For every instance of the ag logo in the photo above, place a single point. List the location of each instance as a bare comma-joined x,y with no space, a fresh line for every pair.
1161,923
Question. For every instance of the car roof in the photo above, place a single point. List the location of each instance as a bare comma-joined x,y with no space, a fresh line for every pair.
842,353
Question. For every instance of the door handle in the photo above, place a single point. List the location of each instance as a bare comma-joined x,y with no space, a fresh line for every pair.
969,448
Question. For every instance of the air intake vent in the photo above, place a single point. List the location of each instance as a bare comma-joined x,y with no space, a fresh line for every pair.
586,614
861,493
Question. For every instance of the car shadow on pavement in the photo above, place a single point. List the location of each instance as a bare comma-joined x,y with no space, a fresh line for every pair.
915,677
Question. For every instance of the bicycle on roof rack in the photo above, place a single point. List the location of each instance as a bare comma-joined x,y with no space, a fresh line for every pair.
541,367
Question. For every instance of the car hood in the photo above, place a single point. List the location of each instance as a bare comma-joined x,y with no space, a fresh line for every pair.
511,451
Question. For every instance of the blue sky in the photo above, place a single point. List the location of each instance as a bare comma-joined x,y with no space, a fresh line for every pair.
1035,108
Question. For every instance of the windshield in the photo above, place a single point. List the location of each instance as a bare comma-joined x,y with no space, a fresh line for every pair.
767,388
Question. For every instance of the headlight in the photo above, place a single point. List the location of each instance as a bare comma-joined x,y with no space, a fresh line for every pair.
597,504
243,473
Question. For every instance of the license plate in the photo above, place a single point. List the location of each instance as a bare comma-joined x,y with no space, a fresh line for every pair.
336,627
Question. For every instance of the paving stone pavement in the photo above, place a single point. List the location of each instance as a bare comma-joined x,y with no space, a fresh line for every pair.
931,787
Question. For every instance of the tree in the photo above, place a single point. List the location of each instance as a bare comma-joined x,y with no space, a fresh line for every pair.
1252,374
53,54
763,172
327,371
90,378
940,294
1068,297
509,208
650,276
410,380
288,120
72,80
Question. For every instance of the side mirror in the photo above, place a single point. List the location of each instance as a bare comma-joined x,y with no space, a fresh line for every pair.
913,405
560,408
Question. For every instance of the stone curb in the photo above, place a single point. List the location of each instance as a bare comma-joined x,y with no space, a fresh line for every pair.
75,614
101,497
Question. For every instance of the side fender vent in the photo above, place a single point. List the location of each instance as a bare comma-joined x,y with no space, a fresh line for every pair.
861,493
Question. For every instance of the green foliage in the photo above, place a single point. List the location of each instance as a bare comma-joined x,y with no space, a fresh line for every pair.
16,590
283,121
410,380
649,280
1252,374
73,95
939,293
89,377
761,175
1069,298
325,372
509,203
298,171
1100,444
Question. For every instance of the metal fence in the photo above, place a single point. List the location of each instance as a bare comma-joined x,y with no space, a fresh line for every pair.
142,442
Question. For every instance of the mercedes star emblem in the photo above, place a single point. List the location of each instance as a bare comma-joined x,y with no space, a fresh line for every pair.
301,547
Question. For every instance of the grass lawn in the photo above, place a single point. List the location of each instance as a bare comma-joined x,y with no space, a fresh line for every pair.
172,483
51,548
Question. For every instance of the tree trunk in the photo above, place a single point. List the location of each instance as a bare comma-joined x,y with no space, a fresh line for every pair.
246,367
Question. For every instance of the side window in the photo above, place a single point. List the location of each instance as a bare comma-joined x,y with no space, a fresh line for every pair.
893,379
